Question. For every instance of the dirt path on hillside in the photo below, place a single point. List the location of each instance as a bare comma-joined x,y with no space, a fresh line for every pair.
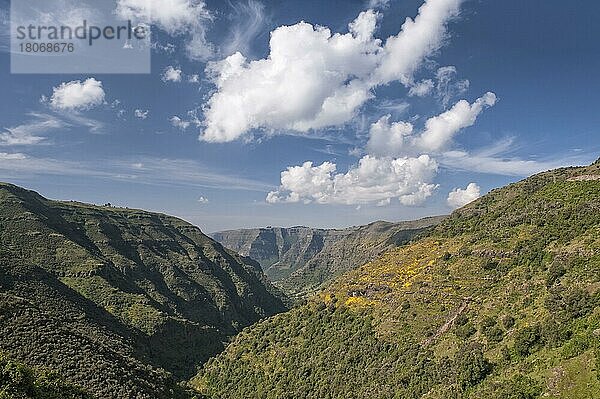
443,329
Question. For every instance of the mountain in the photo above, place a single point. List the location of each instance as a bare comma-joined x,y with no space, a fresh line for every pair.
500,301
121,302
280,251
361,245
300,260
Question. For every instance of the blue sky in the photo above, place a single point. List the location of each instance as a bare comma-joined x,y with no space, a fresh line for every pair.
483,92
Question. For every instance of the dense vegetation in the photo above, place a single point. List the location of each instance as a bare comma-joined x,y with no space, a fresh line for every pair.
302,260
122,302
17,381
500,301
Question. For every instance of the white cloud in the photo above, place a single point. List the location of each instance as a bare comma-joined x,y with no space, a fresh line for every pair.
203,200
77,95
448,86
300,86
398,163
29,133
314,79
141,114
458,197
179,123
176,17
5,156
389,139
397,138
421,89
374,180
440,129
249,20
194,78
418,39
171,74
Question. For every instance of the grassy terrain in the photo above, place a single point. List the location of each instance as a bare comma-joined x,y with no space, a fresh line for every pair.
500,301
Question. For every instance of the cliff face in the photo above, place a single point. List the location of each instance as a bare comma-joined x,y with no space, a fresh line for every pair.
301,260
146,288
280,251
350,251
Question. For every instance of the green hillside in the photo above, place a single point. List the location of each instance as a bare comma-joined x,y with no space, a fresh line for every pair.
362,245
19,381
122,302
500,301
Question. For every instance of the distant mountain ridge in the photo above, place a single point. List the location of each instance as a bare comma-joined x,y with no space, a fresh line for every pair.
279,250
122,302
302,260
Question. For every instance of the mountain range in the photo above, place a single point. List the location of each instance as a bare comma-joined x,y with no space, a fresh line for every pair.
301,260
499,300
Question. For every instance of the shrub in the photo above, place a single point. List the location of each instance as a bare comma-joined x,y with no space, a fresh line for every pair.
569,304
555,272
472,366
508,322
519,387
527,340
465,331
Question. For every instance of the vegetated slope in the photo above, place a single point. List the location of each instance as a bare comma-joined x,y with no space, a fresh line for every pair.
280,251
301,260
111,298
500,301
19,381
363,244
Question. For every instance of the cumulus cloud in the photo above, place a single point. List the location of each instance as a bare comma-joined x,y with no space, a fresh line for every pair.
440,129
418,39
398,163
389,139
171,74
314,78
395,138
141,114
374,180
176,17
78,95
459,197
